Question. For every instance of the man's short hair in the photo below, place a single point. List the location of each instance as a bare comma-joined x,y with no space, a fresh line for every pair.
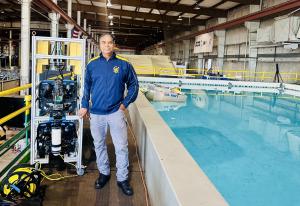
107,34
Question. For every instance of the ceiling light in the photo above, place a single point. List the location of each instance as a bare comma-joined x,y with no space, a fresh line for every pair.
109,4
197,7
111,23
2,12
110,16
179,18
112,32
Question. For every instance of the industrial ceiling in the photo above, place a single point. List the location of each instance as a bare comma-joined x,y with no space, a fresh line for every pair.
135,23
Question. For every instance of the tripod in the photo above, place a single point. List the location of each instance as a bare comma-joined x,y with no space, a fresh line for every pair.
277,76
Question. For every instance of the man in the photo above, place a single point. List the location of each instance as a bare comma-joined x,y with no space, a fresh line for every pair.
105,80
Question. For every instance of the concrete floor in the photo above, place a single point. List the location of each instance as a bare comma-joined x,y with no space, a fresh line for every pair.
80,190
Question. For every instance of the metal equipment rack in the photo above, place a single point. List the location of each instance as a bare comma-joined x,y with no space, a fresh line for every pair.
49,53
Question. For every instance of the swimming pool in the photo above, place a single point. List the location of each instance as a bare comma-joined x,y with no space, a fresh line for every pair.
248,144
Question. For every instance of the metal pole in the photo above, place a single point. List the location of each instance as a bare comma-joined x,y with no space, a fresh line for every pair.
89,44
49,4
78,17
19,52
25,41
97,46
10,48
54,22
27,100
79,21
92,46
84,24
69,26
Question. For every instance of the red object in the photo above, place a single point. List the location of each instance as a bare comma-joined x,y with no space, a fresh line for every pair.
75,33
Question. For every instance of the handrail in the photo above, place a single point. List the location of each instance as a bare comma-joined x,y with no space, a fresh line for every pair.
7,167
14,90
234,74
9,143
14,114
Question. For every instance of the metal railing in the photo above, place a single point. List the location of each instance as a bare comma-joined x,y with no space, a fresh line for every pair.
9,144
230,74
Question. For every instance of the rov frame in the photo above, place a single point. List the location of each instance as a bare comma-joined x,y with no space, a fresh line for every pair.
45,54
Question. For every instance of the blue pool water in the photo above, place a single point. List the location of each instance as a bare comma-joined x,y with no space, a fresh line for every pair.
247,144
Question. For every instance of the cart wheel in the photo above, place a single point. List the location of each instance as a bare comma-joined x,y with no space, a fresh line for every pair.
80,171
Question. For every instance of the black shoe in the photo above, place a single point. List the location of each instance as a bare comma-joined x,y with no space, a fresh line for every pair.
126,188
101,181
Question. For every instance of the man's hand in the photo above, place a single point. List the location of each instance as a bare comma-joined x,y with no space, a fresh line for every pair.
83,112
122,107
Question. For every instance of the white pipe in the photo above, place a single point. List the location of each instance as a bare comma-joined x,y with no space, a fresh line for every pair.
97,47
245,57
54,30
25,41
92,45
78,17
89,44
79,21
264,46
10,48
69,33
260,4
54,22
70,8
84,24
54,25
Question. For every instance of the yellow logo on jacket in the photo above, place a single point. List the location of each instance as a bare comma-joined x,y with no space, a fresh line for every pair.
116,69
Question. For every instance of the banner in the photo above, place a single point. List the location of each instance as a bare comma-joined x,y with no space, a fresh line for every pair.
204,43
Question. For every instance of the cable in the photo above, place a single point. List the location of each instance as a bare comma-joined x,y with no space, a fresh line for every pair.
53,177
292,12
141,171
83,166
60,70
40,13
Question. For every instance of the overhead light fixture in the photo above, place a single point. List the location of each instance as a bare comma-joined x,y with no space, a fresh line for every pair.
110,16
109,4
111,23
197,7
179,18
112,32
2,12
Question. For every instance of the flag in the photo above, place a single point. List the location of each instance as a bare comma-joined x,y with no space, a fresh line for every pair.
75,33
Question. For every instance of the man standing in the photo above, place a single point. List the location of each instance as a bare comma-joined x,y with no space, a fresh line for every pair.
105,79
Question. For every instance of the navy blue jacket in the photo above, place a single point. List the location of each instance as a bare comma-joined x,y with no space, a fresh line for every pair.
105,82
